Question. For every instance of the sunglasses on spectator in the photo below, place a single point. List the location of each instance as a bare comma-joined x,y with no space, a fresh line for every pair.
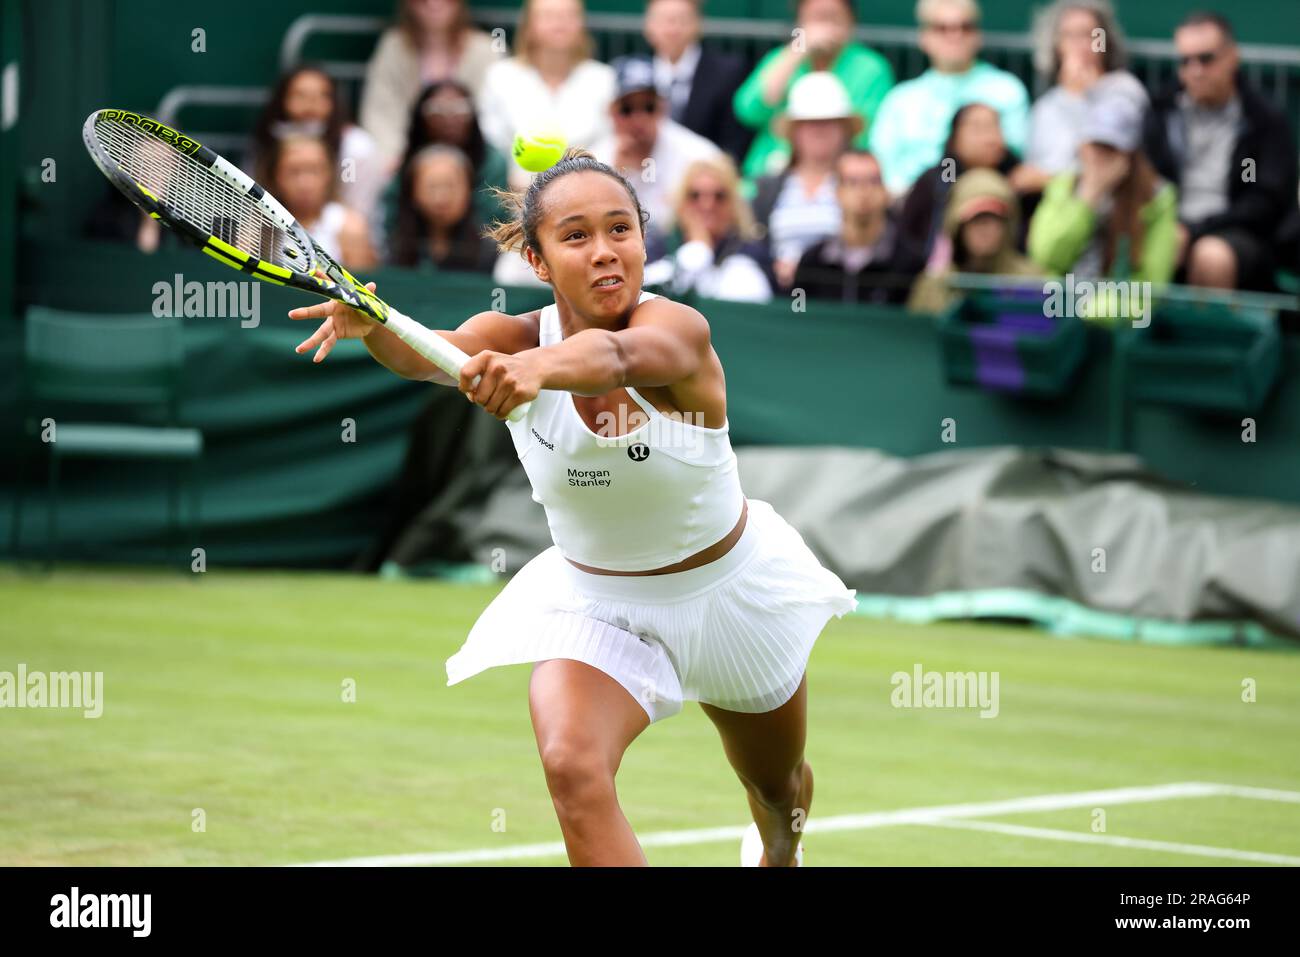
965,27
861,181
645,106
719,195
461,108
1204,59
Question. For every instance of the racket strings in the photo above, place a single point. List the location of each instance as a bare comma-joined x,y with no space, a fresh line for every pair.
196,194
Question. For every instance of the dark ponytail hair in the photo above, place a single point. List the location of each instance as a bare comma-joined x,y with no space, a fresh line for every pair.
519,231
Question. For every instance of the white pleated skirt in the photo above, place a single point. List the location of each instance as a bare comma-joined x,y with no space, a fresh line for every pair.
735,633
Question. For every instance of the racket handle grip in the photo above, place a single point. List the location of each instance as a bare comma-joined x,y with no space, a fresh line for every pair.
438,351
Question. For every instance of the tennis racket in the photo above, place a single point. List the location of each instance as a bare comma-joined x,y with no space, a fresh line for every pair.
221,210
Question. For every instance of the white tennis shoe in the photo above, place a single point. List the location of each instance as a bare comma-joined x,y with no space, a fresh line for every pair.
751,849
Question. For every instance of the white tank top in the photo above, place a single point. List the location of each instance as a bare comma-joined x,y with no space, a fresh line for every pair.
632,502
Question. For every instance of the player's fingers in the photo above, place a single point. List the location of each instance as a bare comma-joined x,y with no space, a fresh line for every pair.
318,311
502,399
325,348
491,403
317,337
475,392
470,371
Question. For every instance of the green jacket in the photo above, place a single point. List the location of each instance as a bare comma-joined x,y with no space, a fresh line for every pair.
865,73
1063,227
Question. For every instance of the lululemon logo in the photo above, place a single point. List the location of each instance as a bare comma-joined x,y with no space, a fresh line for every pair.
638,452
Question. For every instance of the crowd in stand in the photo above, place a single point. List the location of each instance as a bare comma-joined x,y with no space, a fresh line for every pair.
813,169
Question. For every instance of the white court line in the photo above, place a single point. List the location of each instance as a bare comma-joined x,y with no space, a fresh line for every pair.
1050,834
1258,794
844,822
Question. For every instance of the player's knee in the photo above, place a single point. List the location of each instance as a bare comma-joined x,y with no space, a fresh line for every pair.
575,776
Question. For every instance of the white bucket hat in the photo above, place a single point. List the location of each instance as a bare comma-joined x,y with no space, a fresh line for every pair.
818,96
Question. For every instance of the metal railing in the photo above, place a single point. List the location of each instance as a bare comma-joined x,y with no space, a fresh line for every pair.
171,110
317,24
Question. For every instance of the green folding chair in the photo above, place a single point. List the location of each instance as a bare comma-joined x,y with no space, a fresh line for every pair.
104,386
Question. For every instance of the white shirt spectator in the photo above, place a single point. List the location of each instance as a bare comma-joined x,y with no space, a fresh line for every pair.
675,149
361,174
736,279
1054,124
327,229
797,221
515,98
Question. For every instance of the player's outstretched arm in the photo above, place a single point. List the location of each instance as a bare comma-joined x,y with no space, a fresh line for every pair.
486,330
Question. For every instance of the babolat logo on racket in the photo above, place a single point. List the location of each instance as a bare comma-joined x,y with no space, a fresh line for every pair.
178,141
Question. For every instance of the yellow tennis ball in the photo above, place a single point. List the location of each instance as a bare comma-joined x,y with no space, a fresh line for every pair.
538,151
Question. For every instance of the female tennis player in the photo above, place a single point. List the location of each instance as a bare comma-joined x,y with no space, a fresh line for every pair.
664,584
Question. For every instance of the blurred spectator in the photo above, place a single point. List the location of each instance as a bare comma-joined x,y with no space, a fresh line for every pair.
908,132
305,102
1116,217
720,252
823,41
647,146
979,228
698,84
1075,42
436,224
1232,156
444,113
865,262
975,142
433,40
550,81
115,218
798,207
299,172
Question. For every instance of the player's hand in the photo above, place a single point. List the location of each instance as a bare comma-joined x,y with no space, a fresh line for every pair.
341,322
505,381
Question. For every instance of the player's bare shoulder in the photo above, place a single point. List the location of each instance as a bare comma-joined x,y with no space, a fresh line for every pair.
687,320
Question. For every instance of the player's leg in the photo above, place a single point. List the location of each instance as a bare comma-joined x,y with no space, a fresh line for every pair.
584,720
767,753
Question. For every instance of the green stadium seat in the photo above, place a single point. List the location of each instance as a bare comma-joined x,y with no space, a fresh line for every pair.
117,379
